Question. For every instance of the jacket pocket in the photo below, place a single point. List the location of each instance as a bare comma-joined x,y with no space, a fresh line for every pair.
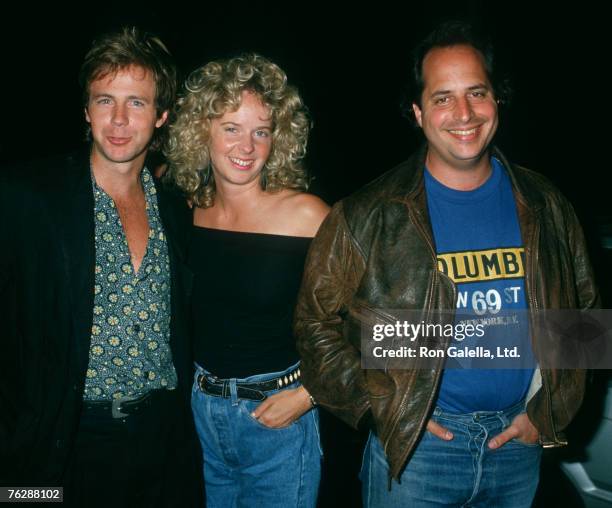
361,321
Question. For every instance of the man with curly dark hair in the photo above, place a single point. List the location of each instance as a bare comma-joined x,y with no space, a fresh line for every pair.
455,236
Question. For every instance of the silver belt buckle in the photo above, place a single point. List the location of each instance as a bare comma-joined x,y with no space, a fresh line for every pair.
116,406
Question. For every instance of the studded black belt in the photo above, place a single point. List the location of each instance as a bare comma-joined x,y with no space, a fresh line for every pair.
250,391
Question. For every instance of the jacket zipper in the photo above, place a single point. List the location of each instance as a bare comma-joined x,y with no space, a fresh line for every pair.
534,308
434,285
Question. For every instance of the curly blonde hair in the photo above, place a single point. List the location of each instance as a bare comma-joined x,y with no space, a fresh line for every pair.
212,90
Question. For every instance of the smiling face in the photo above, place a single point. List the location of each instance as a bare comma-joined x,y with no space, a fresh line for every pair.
241,141
458,112
122,114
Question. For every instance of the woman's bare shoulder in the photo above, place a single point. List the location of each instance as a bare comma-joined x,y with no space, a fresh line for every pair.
304,211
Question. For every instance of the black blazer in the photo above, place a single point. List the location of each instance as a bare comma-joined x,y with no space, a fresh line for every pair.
47,259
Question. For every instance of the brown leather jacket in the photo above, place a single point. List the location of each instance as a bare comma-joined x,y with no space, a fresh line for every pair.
375,251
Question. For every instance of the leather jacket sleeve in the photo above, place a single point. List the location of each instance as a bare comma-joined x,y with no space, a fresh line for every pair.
586,288
554,407
331,365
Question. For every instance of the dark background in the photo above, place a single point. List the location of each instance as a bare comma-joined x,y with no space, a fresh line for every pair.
350,64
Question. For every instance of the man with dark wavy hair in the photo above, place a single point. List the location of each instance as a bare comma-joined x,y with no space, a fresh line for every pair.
455,231
96,363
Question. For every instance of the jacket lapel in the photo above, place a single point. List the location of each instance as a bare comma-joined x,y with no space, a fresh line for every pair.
75,227
176,219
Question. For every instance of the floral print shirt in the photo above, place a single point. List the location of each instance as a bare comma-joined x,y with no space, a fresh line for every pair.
130,338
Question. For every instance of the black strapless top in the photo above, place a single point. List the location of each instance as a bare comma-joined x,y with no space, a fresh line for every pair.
244,294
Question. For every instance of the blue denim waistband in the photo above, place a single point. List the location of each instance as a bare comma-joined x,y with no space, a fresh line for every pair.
480,416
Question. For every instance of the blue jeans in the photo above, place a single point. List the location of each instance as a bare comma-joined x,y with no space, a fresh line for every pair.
461,472
247,464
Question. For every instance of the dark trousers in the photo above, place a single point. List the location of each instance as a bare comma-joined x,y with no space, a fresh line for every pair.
144,460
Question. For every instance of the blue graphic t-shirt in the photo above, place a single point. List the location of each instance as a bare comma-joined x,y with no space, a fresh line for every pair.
479,246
